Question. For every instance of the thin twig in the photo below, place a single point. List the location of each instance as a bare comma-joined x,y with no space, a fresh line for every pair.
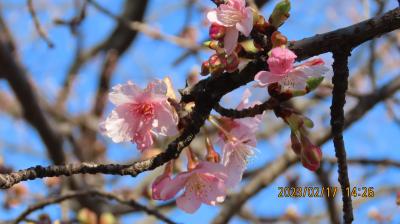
106,195
38,27
340,84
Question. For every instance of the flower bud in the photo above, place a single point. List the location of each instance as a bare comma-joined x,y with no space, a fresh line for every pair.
232,63
217,64
296,145
311,155
107,218
205,68
213,44
260,24
219,2
280,13
217,32
278,39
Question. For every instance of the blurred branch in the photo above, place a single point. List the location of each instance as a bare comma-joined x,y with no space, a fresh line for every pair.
119,40
106,195
38,27
16,76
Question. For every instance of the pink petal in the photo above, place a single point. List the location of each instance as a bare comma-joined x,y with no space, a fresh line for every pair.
215,169
119,125
213,18
143,141
230,40
237,4
246,25
166,120
177,184
124,93
236,167
265,78
212,190
158,185
188,202
157,87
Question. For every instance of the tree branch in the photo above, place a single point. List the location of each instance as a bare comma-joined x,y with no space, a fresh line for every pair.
340,84
106,195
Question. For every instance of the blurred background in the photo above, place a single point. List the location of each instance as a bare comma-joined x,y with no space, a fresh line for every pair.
93,51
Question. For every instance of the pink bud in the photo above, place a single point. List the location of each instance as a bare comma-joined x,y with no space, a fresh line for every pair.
311,155
217,32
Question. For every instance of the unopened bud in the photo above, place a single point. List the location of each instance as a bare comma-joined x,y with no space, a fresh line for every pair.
217,64
107,218
311,155
205,68
212,155
232,63
219,2
260,24
280,13
217,32
278,39
213,44
296,145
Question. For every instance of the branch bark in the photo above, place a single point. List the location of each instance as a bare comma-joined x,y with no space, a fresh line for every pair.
340,84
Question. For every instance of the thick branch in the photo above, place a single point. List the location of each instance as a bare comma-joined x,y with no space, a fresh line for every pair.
351,36
12,70
340,83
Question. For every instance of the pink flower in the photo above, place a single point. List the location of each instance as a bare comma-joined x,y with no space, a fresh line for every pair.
239,143
139,114
235,16
160,182
203,184
288,76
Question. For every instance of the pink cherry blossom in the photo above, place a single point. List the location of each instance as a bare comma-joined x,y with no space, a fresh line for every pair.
139,114
160,182
288,76
235,16
239,143
203,184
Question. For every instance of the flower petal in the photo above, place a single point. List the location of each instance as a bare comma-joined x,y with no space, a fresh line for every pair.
265,78
124,93
230,40
166,120
213,18
246,25
177,184
188,202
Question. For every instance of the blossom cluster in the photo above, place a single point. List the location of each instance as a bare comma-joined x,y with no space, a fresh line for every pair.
141,115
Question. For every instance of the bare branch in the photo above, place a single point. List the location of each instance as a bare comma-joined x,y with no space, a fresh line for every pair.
38,27
106,195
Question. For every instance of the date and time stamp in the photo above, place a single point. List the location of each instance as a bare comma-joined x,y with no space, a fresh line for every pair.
321,192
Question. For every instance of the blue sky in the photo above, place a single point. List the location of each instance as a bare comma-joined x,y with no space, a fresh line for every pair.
374,136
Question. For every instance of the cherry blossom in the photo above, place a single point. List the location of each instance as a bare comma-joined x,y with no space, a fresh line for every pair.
235,16
288,76
205,183
238,144
139,114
